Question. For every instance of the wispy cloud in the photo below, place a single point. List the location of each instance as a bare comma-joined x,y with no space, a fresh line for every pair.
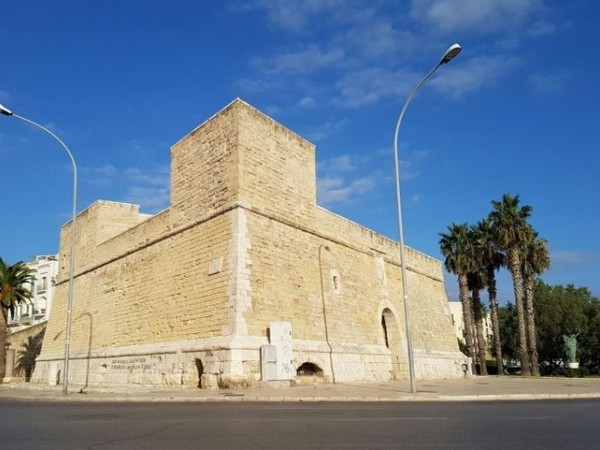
307,102
548,81
411,164
151,199
348,54
349,179
375,38
324,130
294,16
309,60
541,28
256,85
484,16
574,258
336,164
104,175
338,190
474,74
148,187
369,85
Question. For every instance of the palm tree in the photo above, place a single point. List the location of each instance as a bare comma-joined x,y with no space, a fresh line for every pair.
14,282
510,225
536,259
454,245
475,282
491,260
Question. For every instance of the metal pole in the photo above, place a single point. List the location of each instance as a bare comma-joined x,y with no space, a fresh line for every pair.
7,112
450,53
321,247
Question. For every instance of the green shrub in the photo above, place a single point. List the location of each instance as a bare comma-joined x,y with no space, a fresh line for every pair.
492,367
583,372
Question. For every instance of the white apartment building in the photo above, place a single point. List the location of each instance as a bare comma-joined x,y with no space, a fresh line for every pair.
458,321
45,268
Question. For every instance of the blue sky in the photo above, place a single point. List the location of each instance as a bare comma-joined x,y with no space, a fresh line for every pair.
516,112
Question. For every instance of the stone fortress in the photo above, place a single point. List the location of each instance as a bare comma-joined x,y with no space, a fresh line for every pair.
243,278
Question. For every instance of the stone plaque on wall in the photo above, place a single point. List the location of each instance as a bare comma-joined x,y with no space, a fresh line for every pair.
281,338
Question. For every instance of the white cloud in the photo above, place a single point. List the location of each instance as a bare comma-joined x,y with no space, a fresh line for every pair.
358,54
340,181
410,165
255,85
377,38
342,163
104,175
324,130
272,110
149,198
574,258
295,15
485,16
158,176
307,102
473,74
305,61
148,187
541,28
416,198
369,85
337,190
548,81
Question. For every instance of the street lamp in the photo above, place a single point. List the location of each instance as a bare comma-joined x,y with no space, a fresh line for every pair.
452,51
7,112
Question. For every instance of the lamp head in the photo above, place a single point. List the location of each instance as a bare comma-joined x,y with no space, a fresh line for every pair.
452,51
4,110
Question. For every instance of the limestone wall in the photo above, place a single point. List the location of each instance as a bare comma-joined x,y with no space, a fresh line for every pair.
23,343
334,285
95,225
204,168
276,169
172,290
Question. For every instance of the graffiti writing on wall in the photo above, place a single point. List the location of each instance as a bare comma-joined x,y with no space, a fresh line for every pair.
136,363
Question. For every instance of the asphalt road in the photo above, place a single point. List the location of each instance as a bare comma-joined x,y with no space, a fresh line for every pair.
458,425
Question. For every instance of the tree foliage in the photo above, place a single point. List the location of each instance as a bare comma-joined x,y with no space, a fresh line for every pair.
14,289
560,310
565,310
474,253
509,222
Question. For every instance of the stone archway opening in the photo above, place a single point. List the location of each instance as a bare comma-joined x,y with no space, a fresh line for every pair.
393,341
200,369
309,373
309,369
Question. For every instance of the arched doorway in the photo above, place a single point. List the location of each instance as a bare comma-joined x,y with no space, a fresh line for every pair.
393,341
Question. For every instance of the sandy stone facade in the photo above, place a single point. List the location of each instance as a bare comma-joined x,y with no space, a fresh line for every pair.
188,296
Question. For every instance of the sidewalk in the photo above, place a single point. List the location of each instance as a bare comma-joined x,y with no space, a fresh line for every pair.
467,389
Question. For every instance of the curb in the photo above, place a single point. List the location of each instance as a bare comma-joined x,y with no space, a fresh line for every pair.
166,398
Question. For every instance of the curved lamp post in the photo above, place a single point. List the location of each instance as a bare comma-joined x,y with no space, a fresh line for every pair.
452,51
7,112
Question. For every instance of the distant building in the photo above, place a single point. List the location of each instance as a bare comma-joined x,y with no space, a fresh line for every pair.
458,321
45,269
